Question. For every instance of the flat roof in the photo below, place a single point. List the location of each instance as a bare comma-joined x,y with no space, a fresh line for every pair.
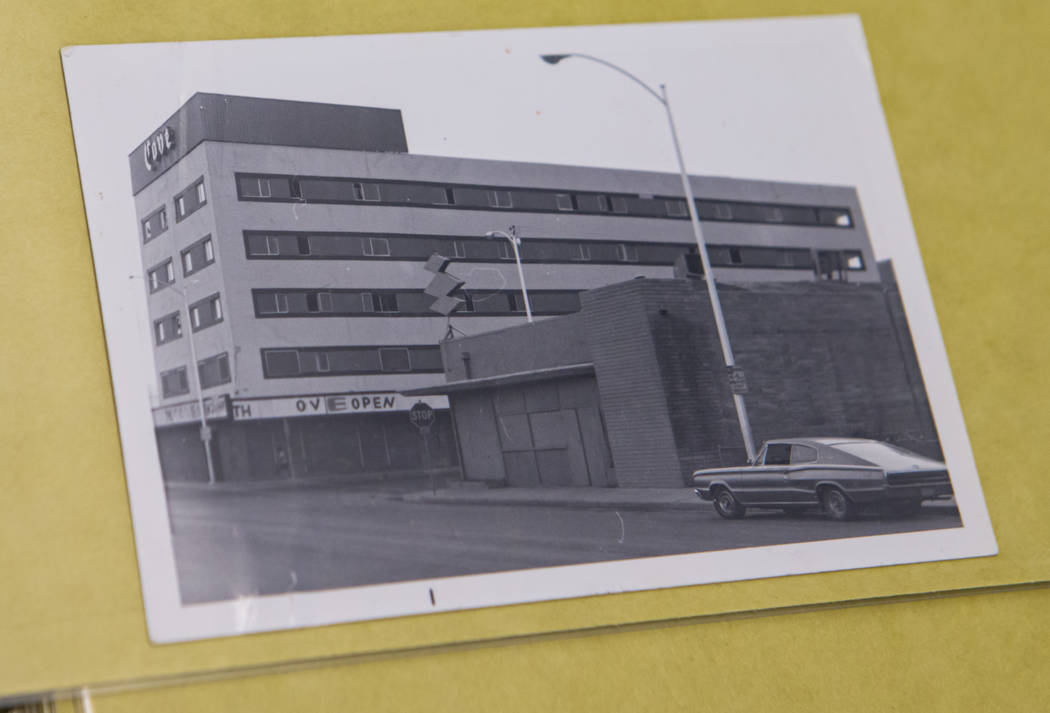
518,377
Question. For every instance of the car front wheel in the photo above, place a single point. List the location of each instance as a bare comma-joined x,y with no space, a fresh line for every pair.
727,505
836,505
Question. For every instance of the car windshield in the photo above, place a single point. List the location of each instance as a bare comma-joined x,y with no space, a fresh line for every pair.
885,455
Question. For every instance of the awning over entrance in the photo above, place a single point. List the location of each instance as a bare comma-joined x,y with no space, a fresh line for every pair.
519,377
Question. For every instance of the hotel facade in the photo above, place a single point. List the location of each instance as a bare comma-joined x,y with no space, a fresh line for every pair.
283,246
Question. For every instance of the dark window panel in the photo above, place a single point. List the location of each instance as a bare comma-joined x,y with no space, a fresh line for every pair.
174,382
190,200
280,362
534,200
426,359
214,371
554,302
351,361
413,193
395,359
325,189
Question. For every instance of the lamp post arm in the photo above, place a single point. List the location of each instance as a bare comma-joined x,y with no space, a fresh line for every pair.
624,72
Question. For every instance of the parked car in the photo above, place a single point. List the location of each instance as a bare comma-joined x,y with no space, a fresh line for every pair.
839,474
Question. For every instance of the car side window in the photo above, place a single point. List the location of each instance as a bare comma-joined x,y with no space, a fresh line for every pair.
778,454
802,454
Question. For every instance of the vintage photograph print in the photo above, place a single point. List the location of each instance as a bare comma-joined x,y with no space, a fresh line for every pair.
413,323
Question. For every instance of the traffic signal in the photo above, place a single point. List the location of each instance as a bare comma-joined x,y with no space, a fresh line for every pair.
444,287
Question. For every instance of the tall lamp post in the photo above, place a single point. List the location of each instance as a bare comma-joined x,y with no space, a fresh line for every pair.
515,242
712,290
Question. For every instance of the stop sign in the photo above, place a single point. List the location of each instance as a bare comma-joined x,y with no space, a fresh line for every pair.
421,416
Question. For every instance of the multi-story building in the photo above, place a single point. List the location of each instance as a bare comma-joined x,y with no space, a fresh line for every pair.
283,245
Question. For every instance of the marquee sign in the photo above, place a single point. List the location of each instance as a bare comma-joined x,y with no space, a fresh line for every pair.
158,146
215,407
327,405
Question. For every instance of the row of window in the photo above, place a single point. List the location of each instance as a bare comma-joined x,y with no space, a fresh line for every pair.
194,259
186,202
351,246
405,303
203,314
320,361
335,361
267,187
213,371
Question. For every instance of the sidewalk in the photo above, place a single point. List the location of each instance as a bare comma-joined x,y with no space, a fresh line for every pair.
613,498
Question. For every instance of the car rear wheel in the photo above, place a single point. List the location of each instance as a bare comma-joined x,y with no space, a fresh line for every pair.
727,505
836,505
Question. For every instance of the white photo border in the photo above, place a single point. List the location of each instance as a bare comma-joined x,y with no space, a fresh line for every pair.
99,76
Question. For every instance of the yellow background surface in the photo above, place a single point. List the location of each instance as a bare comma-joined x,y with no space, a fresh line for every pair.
964,88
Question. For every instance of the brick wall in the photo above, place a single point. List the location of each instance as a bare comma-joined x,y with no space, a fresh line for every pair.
821,359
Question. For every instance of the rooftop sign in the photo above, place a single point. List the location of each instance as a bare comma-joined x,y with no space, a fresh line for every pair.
267,122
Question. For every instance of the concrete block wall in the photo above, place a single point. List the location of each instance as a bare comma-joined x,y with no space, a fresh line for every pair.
633,401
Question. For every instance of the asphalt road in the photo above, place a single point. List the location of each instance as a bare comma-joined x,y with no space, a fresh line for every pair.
311,538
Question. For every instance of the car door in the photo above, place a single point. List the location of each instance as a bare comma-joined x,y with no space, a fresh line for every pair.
800,476
767,481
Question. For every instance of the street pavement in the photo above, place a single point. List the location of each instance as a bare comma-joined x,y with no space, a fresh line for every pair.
239,541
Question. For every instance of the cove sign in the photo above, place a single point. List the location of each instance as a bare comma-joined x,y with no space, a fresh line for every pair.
158,146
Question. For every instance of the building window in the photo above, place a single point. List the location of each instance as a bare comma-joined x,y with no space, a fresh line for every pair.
334,361
565,201
838,218
384,302
500,199
676,209
366,192
190,200
515,301
854,260
315,302
377,247
459,249
280,362
174,383
618,204
168,328
154,224
582,252
395,359
205,313
198,256
214,370
626,252
160,276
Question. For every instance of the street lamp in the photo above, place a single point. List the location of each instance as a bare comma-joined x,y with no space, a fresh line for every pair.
205,429
515,241
712,291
